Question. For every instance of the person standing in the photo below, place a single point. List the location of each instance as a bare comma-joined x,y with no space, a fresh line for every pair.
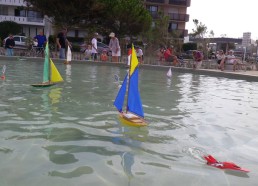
197,57
9,45
41,39
94,47
61,41
114,47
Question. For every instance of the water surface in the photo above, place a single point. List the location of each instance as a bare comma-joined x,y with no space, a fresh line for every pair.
69,134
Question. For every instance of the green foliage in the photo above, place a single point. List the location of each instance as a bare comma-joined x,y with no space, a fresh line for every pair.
7,27
120,16
189,46
66,13
200,29
125,17
52,39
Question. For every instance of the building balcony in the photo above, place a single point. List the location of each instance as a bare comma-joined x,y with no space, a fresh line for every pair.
13,2
23,20
180,32
186,3
179,17
156,1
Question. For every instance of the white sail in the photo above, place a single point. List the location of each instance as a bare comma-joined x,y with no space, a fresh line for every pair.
69,54
169,73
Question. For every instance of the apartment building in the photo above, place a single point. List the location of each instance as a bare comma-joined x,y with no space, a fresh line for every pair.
246,39
32,22
176,10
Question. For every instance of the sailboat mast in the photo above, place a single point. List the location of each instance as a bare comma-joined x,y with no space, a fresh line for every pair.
128,82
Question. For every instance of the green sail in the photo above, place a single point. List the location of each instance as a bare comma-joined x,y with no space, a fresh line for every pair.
46,74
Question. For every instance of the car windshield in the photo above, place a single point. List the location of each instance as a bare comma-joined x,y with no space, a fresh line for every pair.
16,39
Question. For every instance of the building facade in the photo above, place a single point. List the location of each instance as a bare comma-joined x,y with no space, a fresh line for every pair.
31,21
176,10
246,41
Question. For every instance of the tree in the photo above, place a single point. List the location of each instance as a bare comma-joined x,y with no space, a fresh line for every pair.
66,13
125,17
7,27
120,16
200,33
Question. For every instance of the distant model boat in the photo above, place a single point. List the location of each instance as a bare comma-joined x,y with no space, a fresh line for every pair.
68,56
51,76
169,73
133,115
3,72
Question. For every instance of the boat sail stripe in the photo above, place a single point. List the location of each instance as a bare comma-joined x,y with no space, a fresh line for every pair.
134,61
134,100
119,101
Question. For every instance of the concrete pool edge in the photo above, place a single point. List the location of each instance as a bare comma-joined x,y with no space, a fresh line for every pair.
240,75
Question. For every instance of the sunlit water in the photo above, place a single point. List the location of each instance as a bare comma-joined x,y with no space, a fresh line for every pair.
69,134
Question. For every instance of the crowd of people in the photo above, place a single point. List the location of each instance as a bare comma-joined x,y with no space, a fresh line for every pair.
91,52
223,59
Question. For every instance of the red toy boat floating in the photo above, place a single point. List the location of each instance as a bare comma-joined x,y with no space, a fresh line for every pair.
223,165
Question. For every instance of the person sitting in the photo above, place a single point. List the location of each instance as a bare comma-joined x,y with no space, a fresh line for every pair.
88,53
104,56
139,54
229,59
170,57
220,59
160,53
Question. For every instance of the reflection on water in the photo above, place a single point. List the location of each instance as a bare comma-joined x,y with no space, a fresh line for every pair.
74,173
68,73
69,134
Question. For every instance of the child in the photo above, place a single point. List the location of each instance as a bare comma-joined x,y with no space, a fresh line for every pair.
104,56
88,53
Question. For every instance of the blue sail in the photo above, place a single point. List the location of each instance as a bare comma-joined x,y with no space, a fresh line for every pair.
119,101
134,99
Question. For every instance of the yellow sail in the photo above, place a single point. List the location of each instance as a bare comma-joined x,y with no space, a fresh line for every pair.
55,75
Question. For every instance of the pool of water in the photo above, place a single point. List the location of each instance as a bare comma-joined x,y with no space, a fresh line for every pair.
69,134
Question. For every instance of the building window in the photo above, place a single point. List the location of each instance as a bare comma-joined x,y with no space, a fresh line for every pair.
152,8
173,26
3,10
34,14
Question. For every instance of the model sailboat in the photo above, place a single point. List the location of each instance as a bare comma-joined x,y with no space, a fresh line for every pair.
169,73
134,115
68,56
51,76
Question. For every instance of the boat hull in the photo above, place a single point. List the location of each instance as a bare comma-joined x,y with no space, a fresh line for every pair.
43,84
134,121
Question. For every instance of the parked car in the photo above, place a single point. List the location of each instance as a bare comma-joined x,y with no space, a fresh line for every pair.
100,47
20,41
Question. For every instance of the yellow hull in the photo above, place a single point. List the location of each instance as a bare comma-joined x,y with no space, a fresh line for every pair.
134,121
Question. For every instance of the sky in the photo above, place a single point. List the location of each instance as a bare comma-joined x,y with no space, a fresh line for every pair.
228,18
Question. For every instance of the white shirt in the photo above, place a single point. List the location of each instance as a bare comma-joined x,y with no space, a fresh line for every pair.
139,53
94,45
230,59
